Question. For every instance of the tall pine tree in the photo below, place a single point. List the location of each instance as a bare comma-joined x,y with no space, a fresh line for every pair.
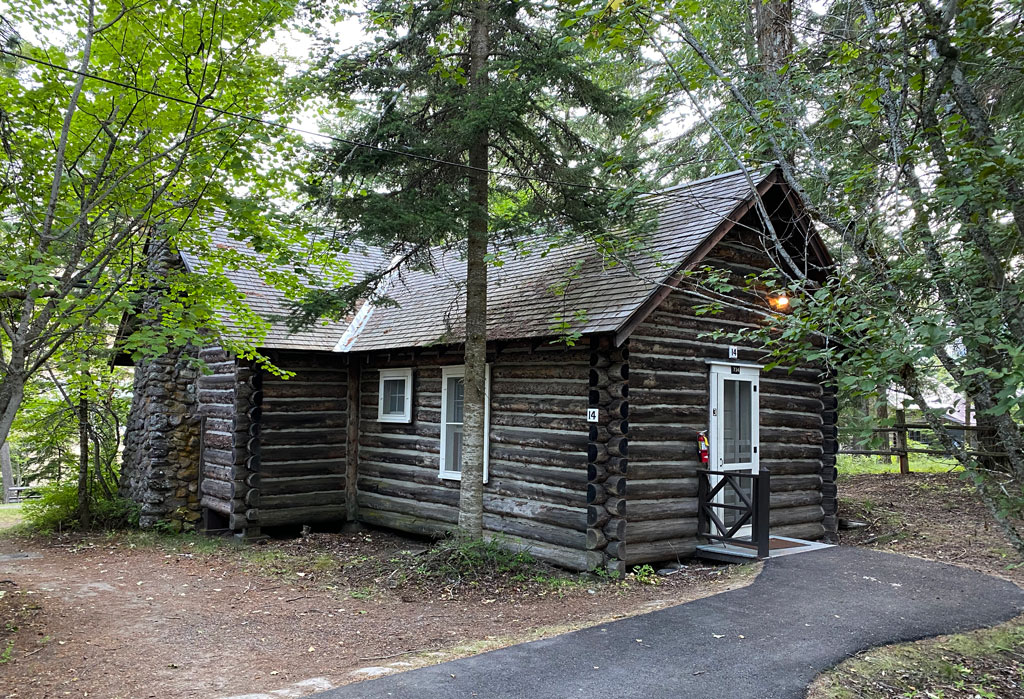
486,124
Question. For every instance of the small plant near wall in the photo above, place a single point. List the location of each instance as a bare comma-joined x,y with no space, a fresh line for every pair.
645,575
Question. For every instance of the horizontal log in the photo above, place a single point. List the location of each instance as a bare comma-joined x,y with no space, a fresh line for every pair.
810,531
318,420
545,475
795,515
300,484
220,473
578,559
597,515
656,551
535,531
426,510
564,516
616,529
302,515
273,390
662,488
301,501
224,507
657,530
802,482
616,486
616,506
646,510
291,469
301,437
291,452
406,523
222,490
596,539
795,498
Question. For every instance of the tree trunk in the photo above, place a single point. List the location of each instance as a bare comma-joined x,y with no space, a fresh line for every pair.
774,31
6,471
471,506
83,462
12,391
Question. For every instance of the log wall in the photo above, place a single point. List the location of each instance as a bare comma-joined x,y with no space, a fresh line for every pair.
303,441
535,497
228,400
273,449
669,392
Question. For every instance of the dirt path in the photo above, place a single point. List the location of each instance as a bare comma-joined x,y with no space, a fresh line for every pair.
103,619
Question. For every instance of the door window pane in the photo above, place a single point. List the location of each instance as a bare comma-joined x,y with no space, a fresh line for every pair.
736,422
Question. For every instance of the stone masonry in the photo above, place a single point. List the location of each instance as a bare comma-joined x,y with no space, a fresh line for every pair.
160,468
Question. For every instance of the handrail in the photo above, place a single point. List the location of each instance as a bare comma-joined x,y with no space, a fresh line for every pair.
755,509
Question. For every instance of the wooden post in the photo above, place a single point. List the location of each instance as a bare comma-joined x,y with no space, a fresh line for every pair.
352,443
901,441
762,509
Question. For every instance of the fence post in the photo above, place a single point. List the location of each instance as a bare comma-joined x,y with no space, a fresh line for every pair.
901,441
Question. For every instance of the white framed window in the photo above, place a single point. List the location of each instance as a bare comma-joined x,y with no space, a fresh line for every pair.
453,394
394,401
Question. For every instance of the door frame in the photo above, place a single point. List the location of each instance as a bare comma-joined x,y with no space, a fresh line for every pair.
720,372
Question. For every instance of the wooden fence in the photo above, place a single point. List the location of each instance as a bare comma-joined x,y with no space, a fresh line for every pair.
902,452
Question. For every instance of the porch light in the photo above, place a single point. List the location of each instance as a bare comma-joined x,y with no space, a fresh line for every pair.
779,302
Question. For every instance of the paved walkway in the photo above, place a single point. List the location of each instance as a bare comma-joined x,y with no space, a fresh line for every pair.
802,615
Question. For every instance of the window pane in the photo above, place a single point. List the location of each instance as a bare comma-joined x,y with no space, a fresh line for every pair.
456,394
394,396
736,422
453,448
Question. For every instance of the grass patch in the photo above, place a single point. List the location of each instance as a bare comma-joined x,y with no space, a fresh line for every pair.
857,464
985,663
10,515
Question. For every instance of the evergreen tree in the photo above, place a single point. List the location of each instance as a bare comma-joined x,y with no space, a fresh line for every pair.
485,123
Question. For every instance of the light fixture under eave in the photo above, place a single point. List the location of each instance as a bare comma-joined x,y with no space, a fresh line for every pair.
779,302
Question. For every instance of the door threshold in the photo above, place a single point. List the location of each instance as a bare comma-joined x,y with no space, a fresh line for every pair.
777,546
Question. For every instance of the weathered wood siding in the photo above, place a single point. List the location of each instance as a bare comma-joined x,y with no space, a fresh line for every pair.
668,406
535,496
228,401
274,449
303,443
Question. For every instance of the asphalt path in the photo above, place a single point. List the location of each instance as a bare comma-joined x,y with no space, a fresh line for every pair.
802,615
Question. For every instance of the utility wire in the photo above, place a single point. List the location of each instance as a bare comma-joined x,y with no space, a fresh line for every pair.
297,129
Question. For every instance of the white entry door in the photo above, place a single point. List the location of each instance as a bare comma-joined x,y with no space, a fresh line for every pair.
733,433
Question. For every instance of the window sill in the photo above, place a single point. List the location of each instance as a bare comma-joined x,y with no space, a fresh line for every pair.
401,419
450,476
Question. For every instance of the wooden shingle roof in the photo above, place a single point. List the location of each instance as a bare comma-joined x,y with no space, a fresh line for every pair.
523,298
521,301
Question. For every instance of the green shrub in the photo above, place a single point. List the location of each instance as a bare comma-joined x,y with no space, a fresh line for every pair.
457,558
57,509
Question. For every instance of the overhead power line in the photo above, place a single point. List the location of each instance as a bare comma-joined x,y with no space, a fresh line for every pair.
300,130
669,192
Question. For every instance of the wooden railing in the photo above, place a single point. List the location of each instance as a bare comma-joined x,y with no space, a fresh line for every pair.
902,452
753,509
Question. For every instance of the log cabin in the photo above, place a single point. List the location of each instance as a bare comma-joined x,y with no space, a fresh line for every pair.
593,458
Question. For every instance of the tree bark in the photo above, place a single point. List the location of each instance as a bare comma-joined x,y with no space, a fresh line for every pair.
6,471
471,506
83,462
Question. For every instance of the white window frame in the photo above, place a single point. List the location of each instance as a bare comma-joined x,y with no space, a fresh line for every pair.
390,375
460,372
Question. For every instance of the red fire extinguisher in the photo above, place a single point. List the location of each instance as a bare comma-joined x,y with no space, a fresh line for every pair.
702,446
